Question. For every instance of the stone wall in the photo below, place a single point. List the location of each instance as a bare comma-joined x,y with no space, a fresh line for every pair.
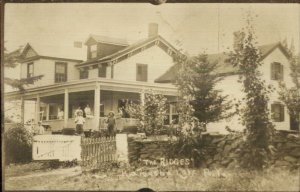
146,149
221,150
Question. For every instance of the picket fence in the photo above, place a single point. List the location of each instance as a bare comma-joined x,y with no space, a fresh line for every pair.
96,152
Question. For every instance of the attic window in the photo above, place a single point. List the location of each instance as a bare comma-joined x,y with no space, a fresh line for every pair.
141,72
93,51
29,70
276,71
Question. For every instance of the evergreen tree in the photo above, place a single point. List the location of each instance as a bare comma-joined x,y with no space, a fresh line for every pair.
11,61
196,81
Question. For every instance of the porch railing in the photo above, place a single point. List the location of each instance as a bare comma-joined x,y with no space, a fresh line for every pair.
121,123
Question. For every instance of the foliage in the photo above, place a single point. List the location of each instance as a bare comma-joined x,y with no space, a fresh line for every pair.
151,114
255,114
196,81
10,61
290,96
17,144
189,145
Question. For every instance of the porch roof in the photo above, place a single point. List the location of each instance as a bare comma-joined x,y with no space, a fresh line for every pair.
90,84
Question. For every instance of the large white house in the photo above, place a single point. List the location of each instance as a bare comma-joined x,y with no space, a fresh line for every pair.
115,72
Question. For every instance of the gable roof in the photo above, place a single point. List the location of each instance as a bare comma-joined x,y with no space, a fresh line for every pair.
224,68
108,40
59,51
127,50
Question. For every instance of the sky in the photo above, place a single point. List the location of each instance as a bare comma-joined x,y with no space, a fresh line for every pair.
195,28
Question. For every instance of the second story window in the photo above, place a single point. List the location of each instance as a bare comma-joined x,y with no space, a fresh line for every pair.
84,74
276,71
141,72
93,51
60,72
29,70
277,111
101,71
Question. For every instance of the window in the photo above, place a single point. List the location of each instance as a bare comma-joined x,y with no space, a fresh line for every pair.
171,114
276,71
141,72
29,70
84,74
277,110
93,51
101,71
60,72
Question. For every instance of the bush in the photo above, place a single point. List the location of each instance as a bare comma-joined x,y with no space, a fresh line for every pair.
18,145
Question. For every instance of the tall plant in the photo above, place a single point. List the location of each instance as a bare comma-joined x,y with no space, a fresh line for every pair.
290,96
196,81
151,114
255,114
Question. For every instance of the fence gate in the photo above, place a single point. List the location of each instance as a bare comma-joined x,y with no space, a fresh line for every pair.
97,151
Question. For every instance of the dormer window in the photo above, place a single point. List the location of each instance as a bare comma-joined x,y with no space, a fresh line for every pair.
94,51
276,71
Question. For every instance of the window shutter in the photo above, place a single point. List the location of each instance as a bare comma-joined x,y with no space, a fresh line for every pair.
145,72
272,111
281,72
272,71
281,113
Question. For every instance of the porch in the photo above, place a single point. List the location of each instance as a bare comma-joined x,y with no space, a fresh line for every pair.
55,105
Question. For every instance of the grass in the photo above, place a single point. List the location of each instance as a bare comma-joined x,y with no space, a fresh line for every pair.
160,179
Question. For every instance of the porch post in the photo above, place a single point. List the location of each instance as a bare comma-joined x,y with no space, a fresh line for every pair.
37,109
170,114
66,108
97,105
47,112
22,109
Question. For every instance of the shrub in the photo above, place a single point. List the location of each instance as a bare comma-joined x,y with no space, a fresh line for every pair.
17,144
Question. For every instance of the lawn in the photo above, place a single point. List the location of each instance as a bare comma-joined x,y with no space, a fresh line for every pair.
29,177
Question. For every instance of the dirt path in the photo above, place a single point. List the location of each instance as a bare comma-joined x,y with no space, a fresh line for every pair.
40,180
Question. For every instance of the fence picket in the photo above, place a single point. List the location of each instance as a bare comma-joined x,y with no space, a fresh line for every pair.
96,151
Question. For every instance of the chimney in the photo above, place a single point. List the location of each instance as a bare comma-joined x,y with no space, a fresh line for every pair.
152,29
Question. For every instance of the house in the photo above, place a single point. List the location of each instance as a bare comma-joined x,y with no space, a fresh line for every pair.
113,73
275,66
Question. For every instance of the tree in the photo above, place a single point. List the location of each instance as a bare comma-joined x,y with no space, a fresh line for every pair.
151,114
255,114
291,96
10,61
196,82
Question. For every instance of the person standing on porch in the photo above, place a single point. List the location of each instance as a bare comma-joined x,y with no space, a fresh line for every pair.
111,123
78,110
79,120
87,111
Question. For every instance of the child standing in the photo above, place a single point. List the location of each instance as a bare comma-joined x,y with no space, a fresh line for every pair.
79,120
111,123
